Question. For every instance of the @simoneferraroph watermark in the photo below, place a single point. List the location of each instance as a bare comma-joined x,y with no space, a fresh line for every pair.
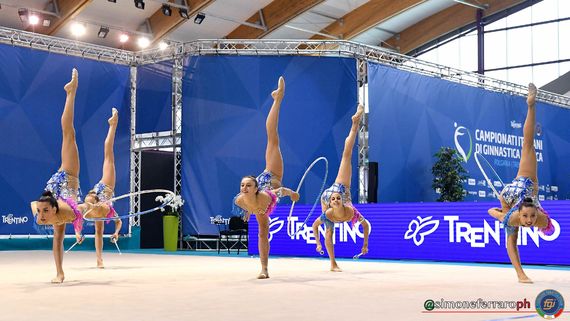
477,306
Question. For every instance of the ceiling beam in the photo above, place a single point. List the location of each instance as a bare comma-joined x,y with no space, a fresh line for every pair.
161,25
443,22
274,15
68,9
366,17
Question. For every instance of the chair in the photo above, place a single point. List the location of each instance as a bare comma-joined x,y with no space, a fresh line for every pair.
236,227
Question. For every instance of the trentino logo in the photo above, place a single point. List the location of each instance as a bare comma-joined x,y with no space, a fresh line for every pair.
417,225
460,131
274,226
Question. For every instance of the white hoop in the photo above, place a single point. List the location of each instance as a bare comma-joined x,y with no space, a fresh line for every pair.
478,156
291,228
167,200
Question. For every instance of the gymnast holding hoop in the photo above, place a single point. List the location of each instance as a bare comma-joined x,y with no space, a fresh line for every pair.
519,202
103,191
336,201
58,204
259,195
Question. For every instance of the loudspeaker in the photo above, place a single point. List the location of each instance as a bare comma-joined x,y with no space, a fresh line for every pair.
373,182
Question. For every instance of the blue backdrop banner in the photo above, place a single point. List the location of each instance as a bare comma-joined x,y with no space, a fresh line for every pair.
31,104
456,232
154,97
412,116
226,102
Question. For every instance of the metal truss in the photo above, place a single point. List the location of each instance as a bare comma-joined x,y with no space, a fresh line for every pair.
65,46
339,48
177,74
135,154
362,78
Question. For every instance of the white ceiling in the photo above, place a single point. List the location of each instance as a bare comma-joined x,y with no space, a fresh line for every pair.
222,16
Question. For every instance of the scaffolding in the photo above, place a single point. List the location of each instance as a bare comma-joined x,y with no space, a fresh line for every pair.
177,52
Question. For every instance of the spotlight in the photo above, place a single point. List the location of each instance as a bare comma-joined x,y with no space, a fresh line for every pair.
199,18
139,4
143,42
33,19
113,1
77,29
162,45
46,22
166,10
123,38
183,13
23,13
103,31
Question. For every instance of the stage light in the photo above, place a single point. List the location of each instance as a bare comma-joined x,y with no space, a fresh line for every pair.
77,29
113,1
46,22
162,45
166,10
183,13
123,38
199,18
33,19
103,31
139,4
143,42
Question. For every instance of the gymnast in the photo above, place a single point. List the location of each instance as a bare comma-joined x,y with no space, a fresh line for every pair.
336,201
58,204
259,195
99,196
519,202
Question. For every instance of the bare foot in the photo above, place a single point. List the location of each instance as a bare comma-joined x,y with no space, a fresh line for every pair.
524,279
336,269
358,115
58,279
114,118
71,86
263,275
278,93
531,98
100,264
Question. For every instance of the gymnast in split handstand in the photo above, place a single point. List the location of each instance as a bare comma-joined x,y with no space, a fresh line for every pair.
336,201
58,204
103,191
259,195
519,201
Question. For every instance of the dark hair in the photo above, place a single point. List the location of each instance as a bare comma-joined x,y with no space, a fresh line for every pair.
48,197
93,194
527,202
254,180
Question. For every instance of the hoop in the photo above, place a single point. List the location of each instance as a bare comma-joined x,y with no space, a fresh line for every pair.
478,158
167,200
289,222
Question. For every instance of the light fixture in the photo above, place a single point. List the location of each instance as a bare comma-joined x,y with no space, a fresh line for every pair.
33,19
103,31
183,13
143,42
166,10
162,45
46,22
139,4
123,38
113,1
199,18
77,29
23,13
